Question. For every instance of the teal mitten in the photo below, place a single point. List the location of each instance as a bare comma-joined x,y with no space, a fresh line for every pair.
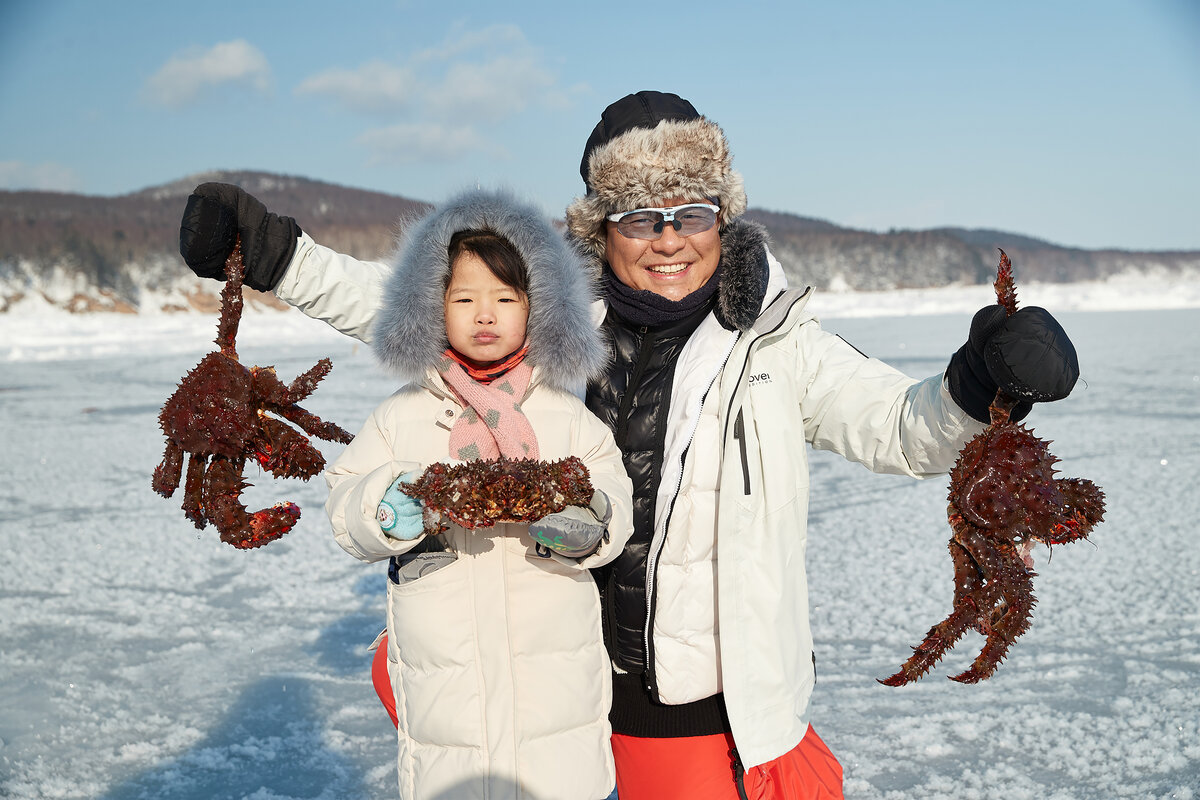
399,515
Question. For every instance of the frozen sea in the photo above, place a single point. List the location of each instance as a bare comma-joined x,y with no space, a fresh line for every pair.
141,658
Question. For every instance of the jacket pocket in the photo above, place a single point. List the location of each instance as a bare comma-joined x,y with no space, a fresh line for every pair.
404,570
431,627
430,555
739,433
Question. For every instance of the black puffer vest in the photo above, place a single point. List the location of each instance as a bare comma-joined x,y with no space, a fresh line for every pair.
633,399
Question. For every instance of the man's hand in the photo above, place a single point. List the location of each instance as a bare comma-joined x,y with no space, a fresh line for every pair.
1028,356
212,219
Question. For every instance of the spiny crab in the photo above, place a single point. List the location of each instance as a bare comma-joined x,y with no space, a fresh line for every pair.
1004,499
478,494
221,414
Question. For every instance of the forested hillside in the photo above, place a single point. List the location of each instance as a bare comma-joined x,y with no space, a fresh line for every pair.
87,253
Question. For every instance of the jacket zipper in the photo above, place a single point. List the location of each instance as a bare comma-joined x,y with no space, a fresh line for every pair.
658,542
635,377
739,774
610,614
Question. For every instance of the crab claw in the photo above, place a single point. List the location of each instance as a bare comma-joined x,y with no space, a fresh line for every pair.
263,527
223,486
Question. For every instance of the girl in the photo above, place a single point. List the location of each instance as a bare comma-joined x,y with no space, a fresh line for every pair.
494,653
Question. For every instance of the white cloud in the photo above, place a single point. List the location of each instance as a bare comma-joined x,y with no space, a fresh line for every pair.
425,142
493,89
493,73
438,96
45,177
497,38
372,88
185,76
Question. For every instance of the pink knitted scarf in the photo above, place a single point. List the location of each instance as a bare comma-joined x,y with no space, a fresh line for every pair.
492,423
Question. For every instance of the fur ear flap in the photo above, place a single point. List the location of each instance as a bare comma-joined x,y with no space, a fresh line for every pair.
744,274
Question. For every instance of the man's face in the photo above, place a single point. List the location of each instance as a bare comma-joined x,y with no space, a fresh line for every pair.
672,266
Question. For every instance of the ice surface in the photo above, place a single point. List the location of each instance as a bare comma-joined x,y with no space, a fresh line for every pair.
140,658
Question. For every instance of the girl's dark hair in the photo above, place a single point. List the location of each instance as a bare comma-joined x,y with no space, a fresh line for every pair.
496,252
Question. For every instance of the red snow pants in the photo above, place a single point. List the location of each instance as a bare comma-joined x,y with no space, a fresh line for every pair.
703,768
693,767
382,681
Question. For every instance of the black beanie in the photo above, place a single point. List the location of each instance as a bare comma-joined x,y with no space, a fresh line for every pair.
648,147
641,110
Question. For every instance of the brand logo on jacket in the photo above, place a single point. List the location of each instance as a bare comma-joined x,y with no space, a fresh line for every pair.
761,378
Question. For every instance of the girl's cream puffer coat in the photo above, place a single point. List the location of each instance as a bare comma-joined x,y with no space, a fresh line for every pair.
501,679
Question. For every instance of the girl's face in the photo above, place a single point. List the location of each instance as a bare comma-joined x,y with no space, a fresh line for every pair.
485,318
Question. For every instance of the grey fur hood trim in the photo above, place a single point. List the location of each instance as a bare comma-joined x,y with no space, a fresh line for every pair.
742,285
645,166
410,329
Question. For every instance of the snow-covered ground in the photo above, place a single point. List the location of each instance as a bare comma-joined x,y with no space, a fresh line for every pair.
141,658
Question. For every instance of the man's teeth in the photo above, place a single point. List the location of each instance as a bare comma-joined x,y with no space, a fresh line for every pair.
668,269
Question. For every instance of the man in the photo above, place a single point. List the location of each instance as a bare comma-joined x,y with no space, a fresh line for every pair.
720,376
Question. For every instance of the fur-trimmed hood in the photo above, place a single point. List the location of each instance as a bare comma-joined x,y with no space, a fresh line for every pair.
742,285
410,330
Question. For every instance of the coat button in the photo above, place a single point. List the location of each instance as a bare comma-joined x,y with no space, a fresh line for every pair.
449,413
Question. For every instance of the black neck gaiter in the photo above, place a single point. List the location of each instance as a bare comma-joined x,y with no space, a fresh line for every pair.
643,307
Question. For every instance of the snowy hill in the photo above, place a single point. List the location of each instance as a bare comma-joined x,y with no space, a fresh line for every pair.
86,253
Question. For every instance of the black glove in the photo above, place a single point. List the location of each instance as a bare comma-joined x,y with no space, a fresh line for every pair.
1028,356
215,214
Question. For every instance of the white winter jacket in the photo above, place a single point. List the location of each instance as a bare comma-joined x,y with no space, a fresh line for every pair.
742,406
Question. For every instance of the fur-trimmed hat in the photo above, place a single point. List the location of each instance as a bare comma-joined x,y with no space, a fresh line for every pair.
648,147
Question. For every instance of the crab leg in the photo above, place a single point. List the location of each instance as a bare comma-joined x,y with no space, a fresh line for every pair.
314,425
967,579
285,453
1085,504
1014,622
306,384
268,386
193,486
1006,289
944,635
282,400
231,302
169,470
1010,612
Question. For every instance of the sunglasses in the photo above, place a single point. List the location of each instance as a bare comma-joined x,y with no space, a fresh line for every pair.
649,223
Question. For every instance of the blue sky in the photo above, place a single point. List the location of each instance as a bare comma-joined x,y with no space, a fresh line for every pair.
1078,122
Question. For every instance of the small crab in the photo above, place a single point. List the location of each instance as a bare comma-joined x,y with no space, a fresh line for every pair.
219,416
1004,499
479,494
